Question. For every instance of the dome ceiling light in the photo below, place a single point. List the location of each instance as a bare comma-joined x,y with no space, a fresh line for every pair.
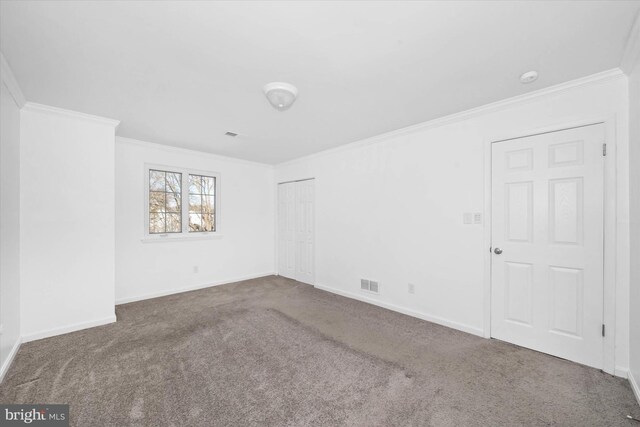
280,95
529,77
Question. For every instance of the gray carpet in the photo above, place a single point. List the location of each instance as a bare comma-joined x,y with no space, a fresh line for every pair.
276,352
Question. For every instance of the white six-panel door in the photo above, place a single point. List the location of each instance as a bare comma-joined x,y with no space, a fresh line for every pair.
547,242
296,230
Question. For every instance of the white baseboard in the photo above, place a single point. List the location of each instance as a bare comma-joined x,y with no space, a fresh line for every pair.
69,328
190,288
409,312
635,386
620,372
12,355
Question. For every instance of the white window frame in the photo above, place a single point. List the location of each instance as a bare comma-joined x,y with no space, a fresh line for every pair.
185,234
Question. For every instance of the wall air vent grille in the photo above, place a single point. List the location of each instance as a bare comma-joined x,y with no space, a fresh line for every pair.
373,286
369,286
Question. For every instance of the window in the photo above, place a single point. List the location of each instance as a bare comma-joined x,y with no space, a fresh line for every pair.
202,203
165,201
181,202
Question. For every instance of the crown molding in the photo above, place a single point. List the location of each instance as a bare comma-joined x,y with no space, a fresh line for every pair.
631,55
40,108
10,82
598,78
180,150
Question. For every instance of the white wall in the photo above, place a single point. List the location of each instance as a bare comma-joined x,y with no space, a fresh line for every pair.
246,248
9,218
391,208
634,161
67,221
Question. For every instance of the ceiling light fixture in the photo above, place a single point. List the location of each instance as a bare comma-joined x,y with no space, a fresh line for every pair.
280,95
529,77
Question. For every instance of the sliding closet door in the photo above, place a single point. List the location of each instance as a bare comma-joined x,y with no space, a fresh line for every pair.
296,230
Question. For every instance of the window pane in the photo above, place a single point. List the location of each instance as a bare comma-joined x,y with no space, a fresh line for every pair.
174,223
156,180
195,184
195,203
165,202
208,204
208,185
173,202
174,182
156,223
208,222
195,222
156,201
202,203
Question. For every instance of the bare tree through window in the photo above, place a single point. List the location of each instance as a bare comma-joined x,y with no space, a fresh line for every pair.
202,203
165,202
181,201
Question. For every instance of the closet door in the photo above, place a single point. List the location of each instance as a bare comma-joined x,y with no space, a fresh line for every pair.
305,231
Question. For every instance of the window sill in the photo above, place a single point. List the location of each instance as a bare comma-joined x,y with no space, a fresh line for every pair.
181,238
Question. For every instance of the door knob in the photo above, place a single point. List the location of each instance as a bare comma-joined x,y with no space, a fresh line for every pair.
497,251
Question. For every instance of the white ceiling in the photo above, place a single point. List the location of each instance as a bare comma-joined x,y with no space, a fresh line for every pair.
184,73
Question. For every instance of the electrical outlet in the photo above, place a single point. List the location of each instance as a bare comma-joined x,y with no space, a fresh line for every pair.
196,269
364,284
412,288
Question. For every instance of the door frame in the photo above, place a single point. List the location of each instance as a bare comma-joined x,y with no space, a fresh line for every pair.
610,237
277,227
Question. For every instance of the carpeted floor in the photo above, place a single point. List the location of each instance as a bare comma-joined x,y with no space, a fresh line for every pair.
274,352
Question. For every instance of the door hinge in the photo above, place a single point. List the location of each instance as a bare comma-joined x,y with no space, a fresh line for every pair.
602,329
604,150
